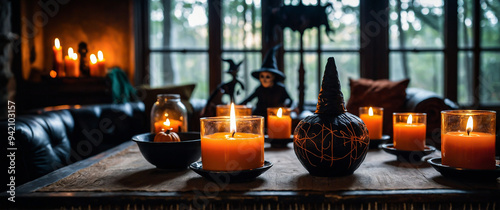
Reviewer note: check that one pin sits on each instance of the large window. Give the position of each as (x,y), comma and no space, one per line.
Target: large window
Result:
(420,45)
(178,44)
(417,42)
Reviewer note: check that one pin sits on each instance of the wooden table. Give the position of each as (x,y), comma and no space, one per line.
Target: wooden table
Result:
(121,178)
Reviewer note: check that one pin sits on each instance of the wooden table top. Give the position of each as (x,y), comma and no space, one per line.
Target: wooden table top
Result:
(122,176)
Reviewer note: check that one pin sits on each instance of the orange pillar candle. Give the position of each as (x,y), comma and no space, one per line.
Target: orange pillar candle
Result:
(373,118)
(71,62)
(473,145)
(232,144)
(94,71)
(101,64)
(279,123)
(409,131)
(58,58)
(167,125)
(240,110)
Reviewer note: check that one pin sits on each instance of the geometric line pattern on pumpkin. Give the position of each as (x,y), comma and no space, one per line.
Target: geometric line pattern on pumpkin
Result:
(324,149)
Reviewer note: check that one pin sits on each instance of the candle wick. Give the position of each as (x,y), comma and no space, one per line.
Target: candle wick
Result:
(233,134)
(468,132)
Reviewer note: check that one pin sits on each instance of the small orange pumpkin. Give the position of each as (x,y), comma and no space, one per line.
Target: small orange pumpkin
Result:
(167,137)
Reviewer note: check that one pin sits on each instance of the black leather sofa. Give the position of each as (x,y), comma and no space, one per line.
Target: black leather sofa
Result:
(50,140)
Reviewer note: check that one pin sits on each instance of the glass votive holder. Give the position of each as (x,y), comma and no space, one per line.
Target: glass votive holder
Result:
(373,119)
(168,113)
(279,123)
(468,139)
(240,110)
(409,131)
(222,149)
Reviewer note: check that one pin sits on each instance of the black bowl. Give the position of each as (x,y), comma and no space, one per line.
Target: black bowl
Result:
(170,155)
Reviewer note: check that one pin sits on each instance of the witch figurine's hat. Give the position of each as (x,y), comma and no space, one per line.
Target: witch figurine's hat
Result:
(270,65)
(232,66)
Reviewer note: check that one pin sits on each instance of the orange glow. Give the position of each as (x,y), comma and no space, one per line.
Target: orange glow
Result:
(53,74)
(93,59)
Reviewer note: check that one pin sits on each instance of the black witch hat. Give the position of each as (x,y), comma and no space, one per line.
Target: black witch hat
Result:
(270,65)
(232,66)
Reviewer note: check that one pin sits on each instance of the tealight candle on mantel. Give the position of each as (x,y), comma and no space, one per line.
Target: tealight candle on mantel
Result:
(94,71)
(232,144)
(58,59)
(409,131)
(101,64)
(71,62)
(279,123)
(468,139)
(373,118)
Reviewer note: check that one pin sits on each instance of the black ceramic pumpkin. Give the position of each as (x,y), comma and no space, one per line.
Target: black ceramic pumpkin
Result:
(331,142)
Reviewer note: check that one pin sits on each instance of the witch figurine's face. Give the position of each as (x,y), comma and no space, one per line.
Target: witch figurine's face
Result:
(266,79)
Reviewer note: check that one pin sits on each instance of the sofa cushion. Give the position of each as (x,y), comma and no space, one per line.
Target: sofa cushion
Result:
(42,143)
(100,127)
(391,95)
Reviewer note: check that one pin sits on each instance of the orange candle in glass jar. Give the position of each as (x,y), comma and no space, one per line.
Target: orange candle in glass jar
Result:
(373,121)
(471,150)
(225,152)
(409,136)
(240,110)
(232,144)
(279,125)
(167,125)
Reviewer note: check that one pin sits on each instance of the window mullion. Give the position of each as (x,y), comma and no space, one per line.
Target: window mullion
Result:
(451,50)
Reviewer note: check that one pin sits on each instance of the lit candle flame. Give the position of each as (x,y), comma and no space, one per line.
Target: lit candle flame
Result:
(409,120)
(280,112)
(100,56)
(57,44)
(232,120)
(70,52)
(370,111)
(74,56)
(93,59)
(167,123)
(469,125)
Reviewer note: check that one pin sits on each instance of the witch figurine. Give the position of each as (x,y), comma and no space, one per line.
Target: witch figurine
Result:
(271,92)
(224,88)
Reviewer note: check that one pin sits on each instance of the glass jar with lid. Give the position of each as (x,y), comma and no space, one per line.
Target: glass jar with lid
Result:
(168,113)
